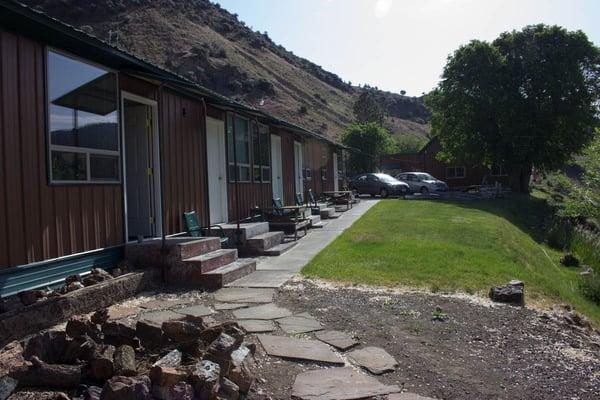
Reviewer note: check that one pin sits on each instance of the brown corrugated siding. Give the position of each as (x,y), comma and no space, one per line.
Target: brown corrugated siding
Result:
(39,221)
(250,195)
(287,166)
(183,171)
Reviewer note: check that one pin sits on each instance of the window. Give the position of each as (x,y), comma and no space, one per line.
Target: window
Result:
(455,172)
(83,122)
(498,170)
(261,153)
(239,127)
(307,174)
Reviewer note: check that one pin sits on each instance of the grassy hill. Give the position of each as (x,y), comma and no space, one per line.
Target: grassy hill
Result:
(204,42)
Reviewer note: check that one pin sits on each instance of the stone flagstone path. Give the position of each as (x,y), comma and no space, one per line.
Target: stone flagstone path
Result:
(299,349)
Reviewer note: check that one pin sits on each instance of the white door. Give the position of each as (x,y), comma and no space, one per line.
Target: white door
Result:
(336,178)
(217,182)
(298,168)
(276,169)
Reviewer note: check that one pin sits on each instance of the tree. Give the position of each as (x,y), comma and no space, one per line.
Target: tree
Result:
(367,108)
(403,92)
(368,142)
(528,99)
(405,143)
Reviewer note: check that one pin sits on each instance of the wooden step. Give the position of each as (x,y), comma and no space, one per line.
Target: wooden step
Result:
(265,241)
(213,260)
(228,273)
(195,247)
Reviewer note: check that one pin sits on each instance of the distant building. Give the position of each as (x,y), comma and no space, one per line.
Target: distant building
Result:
(455,175)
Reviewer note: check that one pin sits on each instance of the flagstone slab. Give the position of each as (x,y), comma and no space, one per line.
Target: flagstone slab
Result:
(257,325)
(120,312)
(244,295)
(264,311)
(229,306)
(199,310)
(299,323)
(159,304)
(376,360)
(339,340)
(338,384)
(159,317)
(408,396)
(299,349)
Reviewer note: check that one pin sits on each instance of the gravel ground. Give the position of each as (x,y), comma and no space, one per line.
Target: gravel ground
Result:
(479,351)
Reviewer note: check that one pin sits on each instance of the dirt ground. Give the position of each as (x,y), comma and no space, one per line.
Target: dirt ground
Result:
(479,351)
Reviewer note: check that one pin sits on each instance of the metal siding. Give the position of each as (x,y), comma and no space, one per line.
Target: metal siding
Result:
(250,195)
(38,221)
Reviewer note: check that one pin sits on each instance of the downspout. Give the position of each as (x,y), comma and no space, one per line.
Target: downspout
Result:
(262,189)
(237,179)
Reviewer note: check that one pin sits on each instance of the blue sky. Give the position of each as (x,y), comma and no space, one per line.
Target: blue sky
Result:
(401,44)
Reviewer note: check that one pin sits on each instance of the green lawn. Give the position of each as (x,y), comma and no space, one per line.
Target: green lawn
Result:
(452,246)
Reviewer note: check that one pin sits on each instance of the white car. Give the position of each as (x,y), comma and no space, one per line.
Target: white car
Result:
(422,182)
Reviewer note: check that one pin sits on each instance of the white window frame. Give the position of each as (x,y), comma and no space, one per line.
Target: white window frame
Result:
(502,170)
(262,168)
(463,176)
(80,150)
(230,163)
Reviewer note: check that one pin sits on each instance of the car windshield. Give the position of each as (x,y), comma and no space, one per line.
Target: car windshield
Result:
(386,178)
(425,177)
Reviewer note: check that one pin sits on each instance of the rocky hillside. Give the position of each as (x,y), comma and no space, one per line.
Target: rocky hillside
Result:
(202,41)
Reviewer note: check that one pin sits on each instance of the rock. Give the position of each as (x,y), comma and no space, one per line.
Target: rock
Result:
(48,346)
(374,359)
(124,361)
(179,391)
(41,374)
(7,386)
(116,272)
(73,286)
(126,388)
(80,349)
(91,393)
(220,350)
(120,333)
(172,359)
(102,365)
(167,376)
(299,323)
(299,349)
(100,317)
(511,293)
(42,395)
(150,334)
(97,275)
(29,297)
(205,379)
(181,331)
(240,371)
(73,278)
(569,260)
(228,390)
(80,326)
(337,339)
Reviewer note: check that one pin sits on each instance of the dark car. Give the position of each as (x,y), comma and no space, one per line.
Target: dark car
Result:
(379,184)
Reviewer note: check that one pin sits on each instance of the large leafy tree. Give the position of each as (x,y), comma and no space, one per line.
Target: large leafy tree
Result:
(528,99)
(368,142)
(368,108)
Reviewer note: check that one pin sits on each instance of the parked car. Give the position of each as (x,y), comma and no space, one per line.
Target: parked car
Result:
(422,182)
(379,184)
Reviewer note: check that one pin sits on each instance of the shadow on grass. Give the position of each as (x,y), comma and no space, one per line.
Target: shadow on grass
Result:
(528,213)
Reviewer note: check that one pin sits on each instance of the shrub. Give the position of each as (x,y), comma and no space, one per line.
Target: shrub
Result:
(590,287)
(569,260)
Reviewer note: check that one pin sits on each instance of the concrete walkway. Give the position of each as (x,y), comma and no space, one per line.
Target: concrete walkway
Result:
(272,272)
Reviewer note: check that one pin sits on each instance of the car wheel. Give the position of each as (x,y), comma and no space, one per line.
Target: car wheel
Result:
(424,190)
(383,193)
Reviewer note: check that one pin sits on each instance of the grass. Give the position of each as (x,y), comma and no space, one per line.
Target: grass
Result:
(453,246)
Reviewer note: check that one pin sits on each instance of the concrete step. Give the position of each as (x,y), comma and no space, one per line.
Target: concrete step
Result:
(279,249)
(247,231)
(314,220)
(213,260)
(228,273)
(195,247)
(265,241)
(327,212)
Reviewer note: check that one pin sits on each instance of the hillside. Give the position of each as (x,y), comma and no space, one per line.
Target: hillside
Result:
(204,42)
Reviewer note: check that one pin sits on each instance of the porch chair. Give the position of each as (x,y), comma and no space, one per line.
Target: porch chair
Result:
(195,230)
(290,218)
(313,203)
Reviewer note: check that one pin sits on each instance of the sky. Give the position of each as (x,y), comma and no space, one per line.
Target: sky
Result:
(401,44)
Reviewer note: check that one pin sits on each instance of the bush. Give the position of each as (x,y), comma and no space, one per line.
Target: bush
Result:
(590,287)
(569,260)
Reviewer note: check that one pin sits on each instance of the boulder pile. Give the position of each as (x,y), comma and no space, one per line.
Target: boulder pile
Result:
(94,358)
(513,293)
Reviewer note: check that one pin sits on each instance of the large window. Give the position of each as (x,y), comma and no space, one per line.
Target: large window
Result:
(238,127)
(83,122)
(261,154)
(498,170)
(456,172)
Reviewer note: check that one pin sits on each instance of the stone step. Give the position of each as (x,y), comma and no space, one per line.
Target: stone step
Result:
(327,212)
(195,247)
(265,241)
(279,249)
(247,231)
(228,273)
(213,260)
